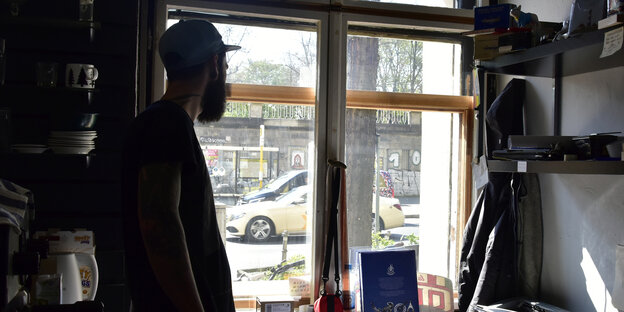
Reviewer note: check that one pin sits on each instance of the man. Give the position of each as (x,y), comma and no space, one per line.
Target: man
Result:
(175,258)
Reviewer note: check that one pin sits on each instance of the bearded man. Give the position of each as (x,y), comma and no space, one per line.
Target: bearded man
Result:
(175,259)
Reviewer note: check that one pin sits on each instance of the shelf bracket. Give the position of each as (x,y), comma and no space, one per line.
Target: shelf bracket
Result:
(557,94)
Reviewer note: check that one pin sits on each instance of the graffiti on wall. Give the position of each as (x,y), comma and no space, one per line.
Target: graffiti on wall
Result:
(406,182)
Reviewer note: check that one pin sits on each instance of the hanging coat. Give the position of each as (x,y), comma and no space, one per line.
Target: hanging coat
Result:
(488,265)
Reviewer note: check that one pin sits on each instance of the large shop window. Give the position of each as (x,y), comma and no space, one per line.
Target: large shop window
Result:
(398,119)
(432,3)
(412,154)
(260,157)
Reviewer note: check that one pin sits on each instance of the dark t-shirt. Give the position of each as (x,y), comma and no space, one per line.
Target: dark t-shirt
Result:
(164,133)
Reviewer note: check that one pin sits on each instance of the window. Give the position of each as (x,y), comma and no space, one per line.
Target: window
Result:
(259,155)
(416,151)
(433,3)
(382,96)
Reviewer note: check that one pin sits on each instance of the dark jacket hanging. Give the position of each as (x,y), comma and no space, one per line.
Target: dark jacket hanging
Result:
(488,260)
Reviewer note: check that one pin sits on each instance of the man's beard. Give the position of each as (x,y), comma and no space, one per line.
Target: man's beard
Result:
(213,102)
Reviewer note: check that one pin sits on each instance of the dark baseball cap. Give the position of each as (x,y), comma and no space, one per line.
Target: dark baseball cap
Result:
(189,43)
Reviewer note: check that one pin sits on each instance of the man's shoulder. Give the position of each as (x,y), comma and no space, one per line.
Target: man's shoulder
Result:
(162,114)
(163,108)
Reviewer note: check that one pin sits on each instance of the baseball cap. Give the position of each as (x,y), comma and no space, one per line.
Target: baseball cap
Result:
(190,42)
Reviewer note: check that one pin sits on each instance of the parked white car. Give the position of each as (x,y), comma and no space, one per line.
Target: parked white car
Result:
(259,221)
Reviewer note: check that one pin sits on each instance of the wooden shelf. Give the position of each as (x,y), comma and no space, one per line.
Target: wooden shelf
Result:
(577,55)
(26,87)
(565,167)
(49,166)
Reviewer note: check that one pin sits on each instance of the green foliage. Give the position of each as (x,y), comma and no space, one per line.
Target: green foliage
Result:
(294,271)
(237,110)
(265,73)
(411,238)
(380,241)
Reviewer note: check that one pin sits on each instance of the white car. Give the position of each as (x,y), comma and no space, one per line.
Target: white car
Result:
(259,221)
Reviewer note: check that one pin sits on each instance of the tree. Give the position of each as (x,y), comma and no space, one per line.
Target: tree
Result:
(233,35)
(265,73)
(70,79)
(306,59)
(361,137)
(82,78)
(400,66)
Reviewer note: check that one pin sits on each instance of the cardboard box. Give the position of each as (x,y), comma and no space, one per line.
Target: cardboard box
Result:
(493,16)
(78,240)
(485,47)
(492,45)
(275,304)
(299,285)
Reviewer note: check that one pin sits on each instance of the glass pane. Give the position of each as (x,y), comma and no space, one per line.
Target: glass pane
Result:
(269,56)
(411,155)
(432,3)
(260,157)
(405,66)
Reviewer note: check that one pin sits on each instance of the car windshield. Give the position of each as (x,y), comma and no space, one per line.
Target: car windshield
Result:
(292,196)
(279,181)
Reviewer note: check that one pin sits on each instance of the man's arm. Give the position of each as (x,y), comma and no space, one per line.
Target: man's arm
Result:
(163,235)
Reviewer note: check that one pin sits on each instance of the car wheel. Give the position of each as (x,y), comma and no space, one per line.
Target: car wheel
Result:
(259,229)
(382,225)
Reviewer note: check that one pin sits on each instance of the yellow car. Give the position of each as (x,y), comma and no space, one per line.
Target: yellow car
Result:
(258,221)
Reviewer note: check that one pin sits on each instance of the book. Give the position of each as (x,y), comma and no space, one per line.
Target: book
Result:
(388,281)
(611,20)
(493,16)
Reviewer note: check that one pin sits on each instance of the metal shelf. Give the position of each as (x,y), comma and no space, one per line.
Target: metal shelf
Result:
(575,55)
(565,167)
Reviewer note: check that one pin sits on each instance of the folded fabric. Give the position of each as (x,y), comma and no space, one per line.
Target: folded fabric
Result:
(14,201)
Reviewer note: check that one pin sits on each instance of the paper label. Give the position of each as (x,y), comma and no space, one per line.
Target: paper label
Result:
(522,166)
(68,241)
(612,42)
(480,172)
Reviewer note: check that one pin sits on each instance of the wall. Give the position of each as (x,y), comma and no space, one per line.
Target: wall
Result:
(74,191)
(582,213)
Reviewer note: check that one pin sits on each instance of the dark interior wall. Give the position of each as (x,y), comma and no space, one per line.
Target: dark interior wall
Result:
(73,191)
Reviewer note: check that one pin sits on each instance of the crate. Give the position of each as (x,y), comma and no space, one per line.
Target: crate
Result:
(275,304)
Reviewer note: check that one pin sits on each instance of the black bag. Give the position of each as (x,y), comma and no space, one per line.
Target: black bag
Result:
(331,302)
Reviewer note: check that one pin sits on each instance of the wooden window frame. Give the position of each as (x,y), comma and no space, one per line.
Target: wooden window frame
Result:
(463,105)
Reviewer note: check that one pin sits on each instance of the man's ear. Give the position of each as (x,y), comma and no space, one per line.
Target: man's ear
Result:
(214,68)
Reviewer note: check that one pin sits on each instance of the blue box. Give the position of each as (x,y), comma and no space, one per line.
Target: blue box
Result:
(493,16)
(388,280)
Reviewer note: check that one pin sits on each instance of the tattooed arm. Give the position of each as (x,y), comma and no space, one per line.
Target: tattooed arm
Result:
(161,227)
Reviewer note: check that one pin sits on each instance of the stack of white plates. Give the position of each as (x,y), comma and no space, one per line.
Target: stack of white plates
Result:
(29,148)
(72,142)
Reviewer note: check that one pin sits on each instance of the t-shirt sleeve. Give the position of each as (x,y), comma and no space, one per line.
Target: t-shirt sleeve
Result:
(167,137)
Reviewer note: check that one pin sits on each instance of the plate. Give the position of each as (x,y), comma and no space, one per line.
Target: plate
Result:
(73,137)
(27,145)
(60,142)
(29,150)
(71,150)
(73,132)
